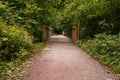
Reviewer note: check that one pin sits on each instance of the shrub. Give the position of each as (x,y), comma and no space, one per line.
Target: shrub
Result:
(14,42)
(104,47)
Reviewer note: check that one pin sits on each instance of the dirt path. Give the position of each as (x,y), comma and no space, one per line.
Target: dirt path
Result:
(61,60)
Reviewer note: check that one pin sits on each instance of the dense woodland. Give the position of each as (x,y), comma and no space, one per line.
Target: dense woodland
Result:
(21,27)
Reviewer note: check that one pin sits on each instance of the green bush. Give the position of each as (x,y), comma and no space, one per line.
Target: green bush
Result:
(104,47)
(14,43)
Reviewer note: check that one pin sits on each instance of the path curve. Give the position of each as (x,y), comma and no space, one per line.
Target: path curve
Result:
(61,60)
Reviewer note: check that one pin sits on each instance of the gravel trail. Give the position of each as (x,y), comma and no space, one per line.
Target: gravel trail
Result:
(61,60)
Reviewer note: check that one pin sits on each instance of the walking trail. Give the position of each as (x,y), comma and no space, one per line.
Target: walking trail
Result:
(61,60)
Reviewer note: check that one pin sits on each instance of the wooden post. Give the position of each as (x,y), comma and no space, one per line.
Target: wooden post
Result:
(44,33)
(78,24)
(74,33)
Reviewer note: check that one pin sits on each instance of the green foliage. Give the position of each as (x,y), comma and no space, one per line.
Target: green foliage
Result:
(24,18)
(14,43)
(29,14)
(11,70)
(7,69)
(96,16)
(104,47)
(15,46)
(38,47)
